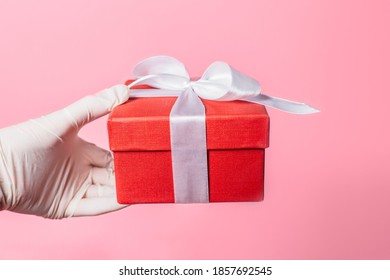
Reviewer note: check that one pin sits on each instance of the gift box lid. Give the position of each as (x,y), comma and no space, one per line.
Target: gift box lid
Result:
(142,124)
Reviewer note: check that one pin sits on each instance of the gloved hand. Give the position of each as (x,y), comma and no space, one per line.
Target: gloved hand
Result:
(47,170)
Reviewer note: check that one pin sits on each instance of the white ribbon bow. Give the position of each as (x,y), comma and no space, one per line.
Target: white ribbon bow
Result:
(220,82)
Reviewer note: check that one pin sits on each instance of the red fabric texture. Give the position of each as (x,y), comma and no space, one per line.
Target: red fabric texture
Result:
(146,176)
(237,134)
(143,124)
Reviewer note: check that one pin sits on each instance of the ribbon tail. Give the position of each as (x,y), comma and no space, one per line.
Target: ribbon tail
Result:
(282,104)
(188,149)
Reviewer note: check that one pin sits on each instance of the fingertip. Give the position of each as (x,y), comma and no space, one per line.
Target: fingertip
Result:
(122,92)
(114,96)
(97,206)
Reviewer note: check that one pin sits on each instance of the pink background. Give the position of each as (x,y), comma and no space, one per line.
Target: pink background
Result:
(327,175)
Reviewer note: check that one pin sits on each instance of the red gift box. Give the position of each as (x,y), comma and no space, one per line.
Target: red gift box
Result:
(139,135)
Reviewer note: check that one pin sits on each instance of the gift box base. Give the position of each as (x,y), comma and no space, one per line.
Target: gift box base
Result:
(146,176)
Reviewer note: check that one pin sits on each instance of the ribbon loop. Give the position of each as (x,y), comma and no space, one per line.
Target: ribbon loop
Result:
(160,65)
(164,72)
(222,82)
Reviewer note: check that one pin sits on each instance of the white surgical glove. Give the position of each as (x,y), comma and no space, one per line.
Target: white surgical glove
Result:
(47,170)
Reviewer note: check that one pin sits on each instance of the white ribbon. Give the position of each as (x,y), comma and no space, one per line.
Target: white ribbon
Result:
(220,82)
